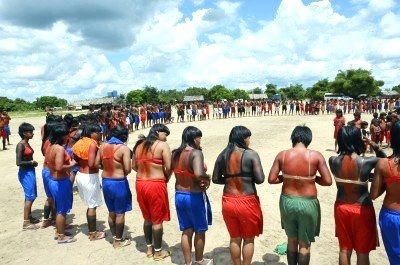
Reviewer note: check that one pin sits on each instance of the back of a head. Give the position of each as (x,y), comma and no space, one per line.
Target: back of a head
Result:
(189,134)
(395,138)
(120,132)
(301,134)
(350,141)
(58,132)
(237,136)
(90,128)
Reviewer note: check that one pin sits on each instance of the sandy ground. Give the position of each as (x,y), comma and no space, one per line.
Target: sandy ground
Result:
(270,134)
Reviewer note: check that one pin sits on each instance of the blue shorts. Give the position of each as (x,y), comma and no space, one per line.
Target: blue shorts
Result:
(389,222)
(61,191)
(117,195)
(27,178)
(7,129)
(46,175)
(193,210)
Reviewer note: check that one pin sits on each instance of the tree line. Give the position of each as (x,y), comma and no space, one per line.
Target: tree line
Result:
(352,82)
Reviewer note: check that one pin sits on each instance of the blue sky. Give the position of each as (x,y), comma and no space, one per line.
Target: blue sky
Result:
(83,49)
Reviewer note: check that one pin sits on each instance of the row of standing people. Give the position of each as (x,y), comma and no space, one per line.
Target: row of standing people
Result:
(238,168)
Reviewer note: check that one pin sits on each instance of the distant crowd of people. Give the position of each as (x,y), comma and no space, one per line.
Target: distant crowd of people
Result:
(75,149)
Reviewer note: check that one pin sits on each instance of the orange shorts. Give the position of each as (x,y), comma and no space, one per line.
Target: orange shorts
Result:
(152,196)
(242,215)
(356,227)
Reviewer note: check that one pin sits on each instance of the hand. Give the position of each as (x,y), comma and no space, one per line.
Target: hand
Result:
(34,163)
(204,183)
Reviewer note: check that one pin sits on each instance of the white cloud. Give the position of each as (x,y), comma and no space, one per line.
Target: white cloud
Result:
(214,45)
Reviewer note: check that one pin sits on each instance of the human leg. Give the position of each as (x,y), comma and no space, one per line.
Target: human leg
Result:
(91,219)
(111,222)
(186,244)
(159,253)
(247,250)
(344,257)
(304,253)
(292,250)
(148,236)
(199,242)
(235,250)
(362,259)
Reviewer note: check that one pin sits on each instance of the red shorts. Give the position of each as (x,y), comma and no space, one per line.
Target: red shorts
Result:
(3,133)
(242,215)
(356,227)
(382,135)
(152,196)
(388,138)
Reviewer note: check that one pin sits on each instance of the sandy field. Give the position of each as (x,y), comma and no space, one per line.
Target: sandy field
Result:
(270,134)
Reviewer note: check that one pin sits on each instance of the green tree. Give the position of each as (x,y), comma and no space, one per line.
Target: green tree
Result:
(271,90)
(197,91)
(50,101)
(318,90)
(219,92)
(354,82)
(256,90)
(170,96)
(121,99)
(396,88)
(135,96)
(150,94)
(240,94)
(293,92)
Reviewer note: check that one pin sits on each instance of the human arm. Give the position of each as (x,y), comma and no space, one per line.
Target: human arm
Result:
(167,160)
(325,179)
(198,165)
(126,160)
(258,171)
(273,176)
(97,162)
(217,173)
(92,155)
(378,186)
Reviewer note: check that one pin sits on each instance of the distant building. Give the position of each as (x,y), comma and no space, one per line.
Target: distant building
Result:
(390,94)
(94,102)
(257,96)
(193,98)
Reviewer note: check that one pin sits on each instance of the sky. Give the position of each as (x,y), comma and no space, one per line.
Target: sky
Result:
(80,49)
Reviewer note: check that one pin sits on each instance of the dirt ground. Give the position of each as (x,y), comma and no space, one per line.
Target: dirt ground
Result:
(270,134)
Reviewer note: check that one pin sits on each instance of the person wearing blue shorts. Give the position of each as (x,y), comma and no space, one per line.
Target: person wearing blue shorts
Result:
(192,205)
(60,185)
(115,159)
(26,173)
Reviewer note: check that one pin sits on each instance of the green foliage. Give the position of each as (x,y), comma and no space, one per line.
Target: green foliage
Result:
(170,96)
(354,82)
(50,101)
(396,88)
(240,94)
(318,90)
(197,91)
(121,99)
(256,90)
(135,96)
(271,90)
(293,92)
(219,92)
(150,94)
(15,105)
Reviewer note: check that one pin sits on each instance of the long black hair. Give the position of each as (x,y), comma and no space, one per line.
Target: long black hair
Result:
(350,140)
(188,135)
(58,132)
(151,137)
(395,138)
(237,138)
(90,128)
